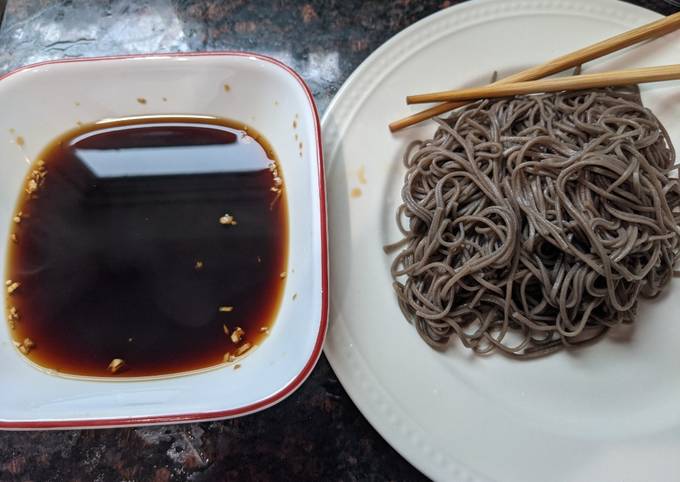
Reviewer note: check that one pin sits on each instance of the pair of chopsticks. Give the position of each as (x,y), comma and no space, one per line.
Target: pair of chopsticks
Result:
(526,82)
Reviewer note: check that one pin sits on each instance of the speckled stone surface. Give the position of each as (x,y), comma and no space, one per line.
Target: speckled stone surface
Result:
(317,433)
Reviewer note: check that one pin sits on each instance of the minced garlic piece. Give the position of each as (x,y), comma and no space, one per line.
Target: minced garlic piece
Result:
(26,346)
(243,348)
(227,220)
(237,334)
(37,177)
(116,365)
(12,287)
(32,186)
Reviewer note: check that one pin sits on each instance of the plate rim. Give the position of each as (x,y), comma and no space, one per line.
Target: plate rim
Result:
(332,141)
(295,383)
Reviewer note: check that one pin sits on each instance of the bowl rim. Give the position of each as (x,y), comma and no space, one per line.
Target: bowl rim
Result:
(294,383)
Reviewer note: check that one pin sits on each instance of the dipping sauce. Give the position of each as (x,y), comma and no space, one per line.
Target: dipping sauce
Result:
(148,246)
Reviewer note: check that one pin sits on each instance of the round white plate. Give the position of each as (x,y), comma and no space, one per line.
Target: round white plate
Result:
(607,413)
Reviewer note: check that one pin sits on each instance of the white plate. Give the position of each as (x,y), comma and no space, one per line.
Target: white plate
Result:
(42,101)
(607,413)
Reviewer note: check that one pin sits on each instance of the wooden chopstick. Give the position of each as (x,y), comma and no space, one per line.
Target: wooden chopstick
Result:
(577,82)
(654,29)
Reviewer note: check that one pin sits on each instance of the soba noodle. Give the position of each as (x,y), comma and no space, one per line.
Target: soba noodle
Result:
(536,223)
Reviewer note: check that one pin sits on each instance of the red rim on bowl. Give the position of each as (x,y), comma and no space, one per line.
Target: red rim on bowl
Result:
(295,383)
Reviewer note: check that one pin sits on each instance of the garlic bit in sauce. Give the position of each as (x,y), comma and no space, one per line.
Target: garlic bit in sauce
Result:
(116,365)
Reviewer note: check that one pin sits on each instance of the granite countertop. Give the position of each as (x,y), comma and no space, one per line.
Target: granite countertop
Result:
(315,434)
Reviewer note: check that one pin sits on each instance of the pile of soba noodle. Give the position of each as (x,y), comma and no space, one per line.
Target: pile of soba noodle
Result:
(536,223)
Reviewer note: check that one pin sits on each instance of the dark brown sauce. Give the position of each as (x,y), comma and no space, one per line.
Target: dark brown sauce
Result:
(123,251)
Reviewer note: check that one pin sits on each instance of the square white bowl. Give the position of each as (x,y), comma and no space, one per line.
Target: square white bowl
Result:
(42,101)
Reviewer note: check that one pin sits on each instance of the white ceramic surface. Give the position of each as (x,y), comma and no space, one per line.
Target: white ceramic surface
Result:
(606,413)
(42,101)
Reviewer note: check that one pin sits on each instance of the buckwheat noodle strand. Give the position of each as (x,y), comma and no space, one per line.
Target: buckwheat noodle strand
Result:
(536,223)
